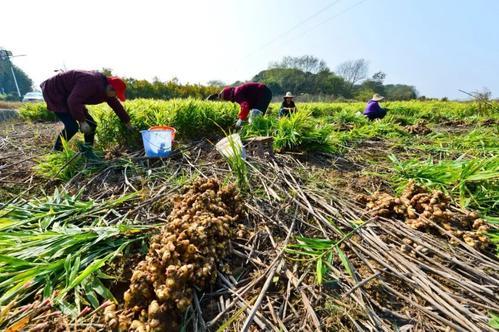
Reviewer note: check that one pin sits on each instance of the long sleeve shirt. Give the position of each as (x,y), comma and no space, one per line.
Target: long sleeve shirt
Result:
(373,110)
(70,91)
(291,104)
(252,95)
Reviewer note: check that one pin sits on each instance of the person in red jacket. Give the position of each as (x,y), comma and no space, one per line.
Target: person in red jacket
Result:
(67,93)
(254,99)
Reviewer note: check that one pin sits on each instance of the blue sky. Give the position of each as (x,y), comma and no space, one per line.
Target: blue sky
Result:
(439,46)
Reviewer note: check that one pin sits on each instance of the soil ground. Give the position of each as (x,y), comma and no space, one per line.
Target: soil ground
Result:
(395,294)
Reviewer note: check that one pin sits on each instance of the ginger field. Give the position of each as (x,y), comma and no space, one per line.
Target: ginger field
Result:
(349,225)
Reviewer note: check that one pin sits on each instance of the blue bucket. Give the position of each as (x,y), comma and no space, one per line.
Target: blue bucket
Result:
(158,141)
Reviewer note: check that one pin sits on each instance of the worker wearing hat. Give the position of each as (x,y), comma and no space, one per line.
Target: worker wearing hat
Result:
(288,105)
(67,93)
(253,98)
(373,109)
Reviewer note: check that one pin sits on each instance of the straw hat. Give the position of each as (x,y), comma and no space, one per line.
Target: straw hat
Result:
(289,95)
(377,97)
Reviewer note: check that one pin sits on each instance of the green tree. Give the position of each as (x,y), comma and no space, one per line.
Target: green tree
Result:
(400,92)
(372,85)
(216,83)
(166,90)
(107,71)
(280,80)
(364,94)
(328,83)
(7,84)
(305,63)
(379,76)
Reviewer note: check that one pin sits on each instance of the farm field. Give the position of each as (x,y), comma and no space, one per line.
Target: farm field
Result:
(352,225)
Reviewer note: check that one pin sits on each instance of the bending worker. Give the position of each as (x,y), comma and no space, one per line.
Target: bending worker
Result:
(288,105)
(373,110)
(254,99)
(67,93)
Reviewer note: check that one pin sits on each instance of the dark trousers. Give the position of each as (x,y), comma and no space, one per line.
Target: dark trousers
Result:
(71,128)
(379,115)
(263,102)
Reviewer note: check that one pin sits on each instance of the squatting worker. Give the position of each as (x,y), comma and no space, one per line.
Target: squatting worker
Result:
(67,93)
(373,109)
(254,99)
(288,105)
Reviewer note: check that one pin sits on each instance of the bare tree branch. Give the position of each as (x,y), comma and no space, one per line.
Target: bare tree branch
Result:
(353,71)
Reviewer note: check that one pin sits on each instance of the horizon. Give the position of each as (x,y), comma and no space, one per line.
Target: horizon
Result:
(438,48)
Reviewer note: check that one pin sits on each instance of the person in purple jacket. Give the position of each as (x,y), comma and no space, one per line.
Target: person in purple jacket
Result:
(373,110)
(253,98)
(67,93)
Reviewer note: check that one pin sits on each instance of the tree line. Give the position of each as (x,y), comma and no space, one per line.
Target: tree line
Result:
(306,76)
(166,90)
(312,78)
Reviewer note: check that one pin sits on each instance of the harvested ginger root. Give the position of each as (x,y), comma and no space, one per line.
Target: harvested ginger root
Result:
(185,254)
(421,209)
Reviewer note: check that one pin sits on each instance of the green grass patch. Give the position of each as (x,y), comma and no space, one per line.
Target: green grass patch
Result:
(480,141)
(321,252)
(36,112)
(494,321)
(408,111)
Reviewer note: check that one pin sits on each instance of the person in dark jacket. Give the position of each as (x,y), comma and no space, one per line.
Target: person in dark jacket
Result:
(67,93)
(373,110)
(254,99)
(288,105)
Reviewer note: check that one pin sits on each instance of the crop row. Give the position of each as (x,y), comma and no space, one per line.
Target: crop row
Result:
(318,126)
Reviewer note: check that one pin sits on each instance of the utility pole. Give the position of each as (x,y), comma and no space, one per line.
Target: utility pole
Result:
(15,80)
(5,56)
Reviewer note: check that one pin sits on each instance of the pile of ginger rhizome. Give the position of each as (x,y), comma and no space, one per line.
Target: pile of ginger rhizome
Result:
(184,255)
(430,212)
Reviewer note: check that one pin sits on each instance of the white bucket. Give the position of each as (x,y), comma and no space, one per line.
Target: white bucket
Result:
(158,142)
(231,146)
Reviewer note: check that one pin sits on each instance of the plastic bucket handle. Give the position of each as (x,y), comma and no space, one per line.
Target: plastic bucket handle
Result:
(173,130)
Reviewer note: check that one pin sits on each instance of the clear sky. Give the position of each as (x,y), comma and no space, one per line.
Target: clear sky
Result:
(439,46)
